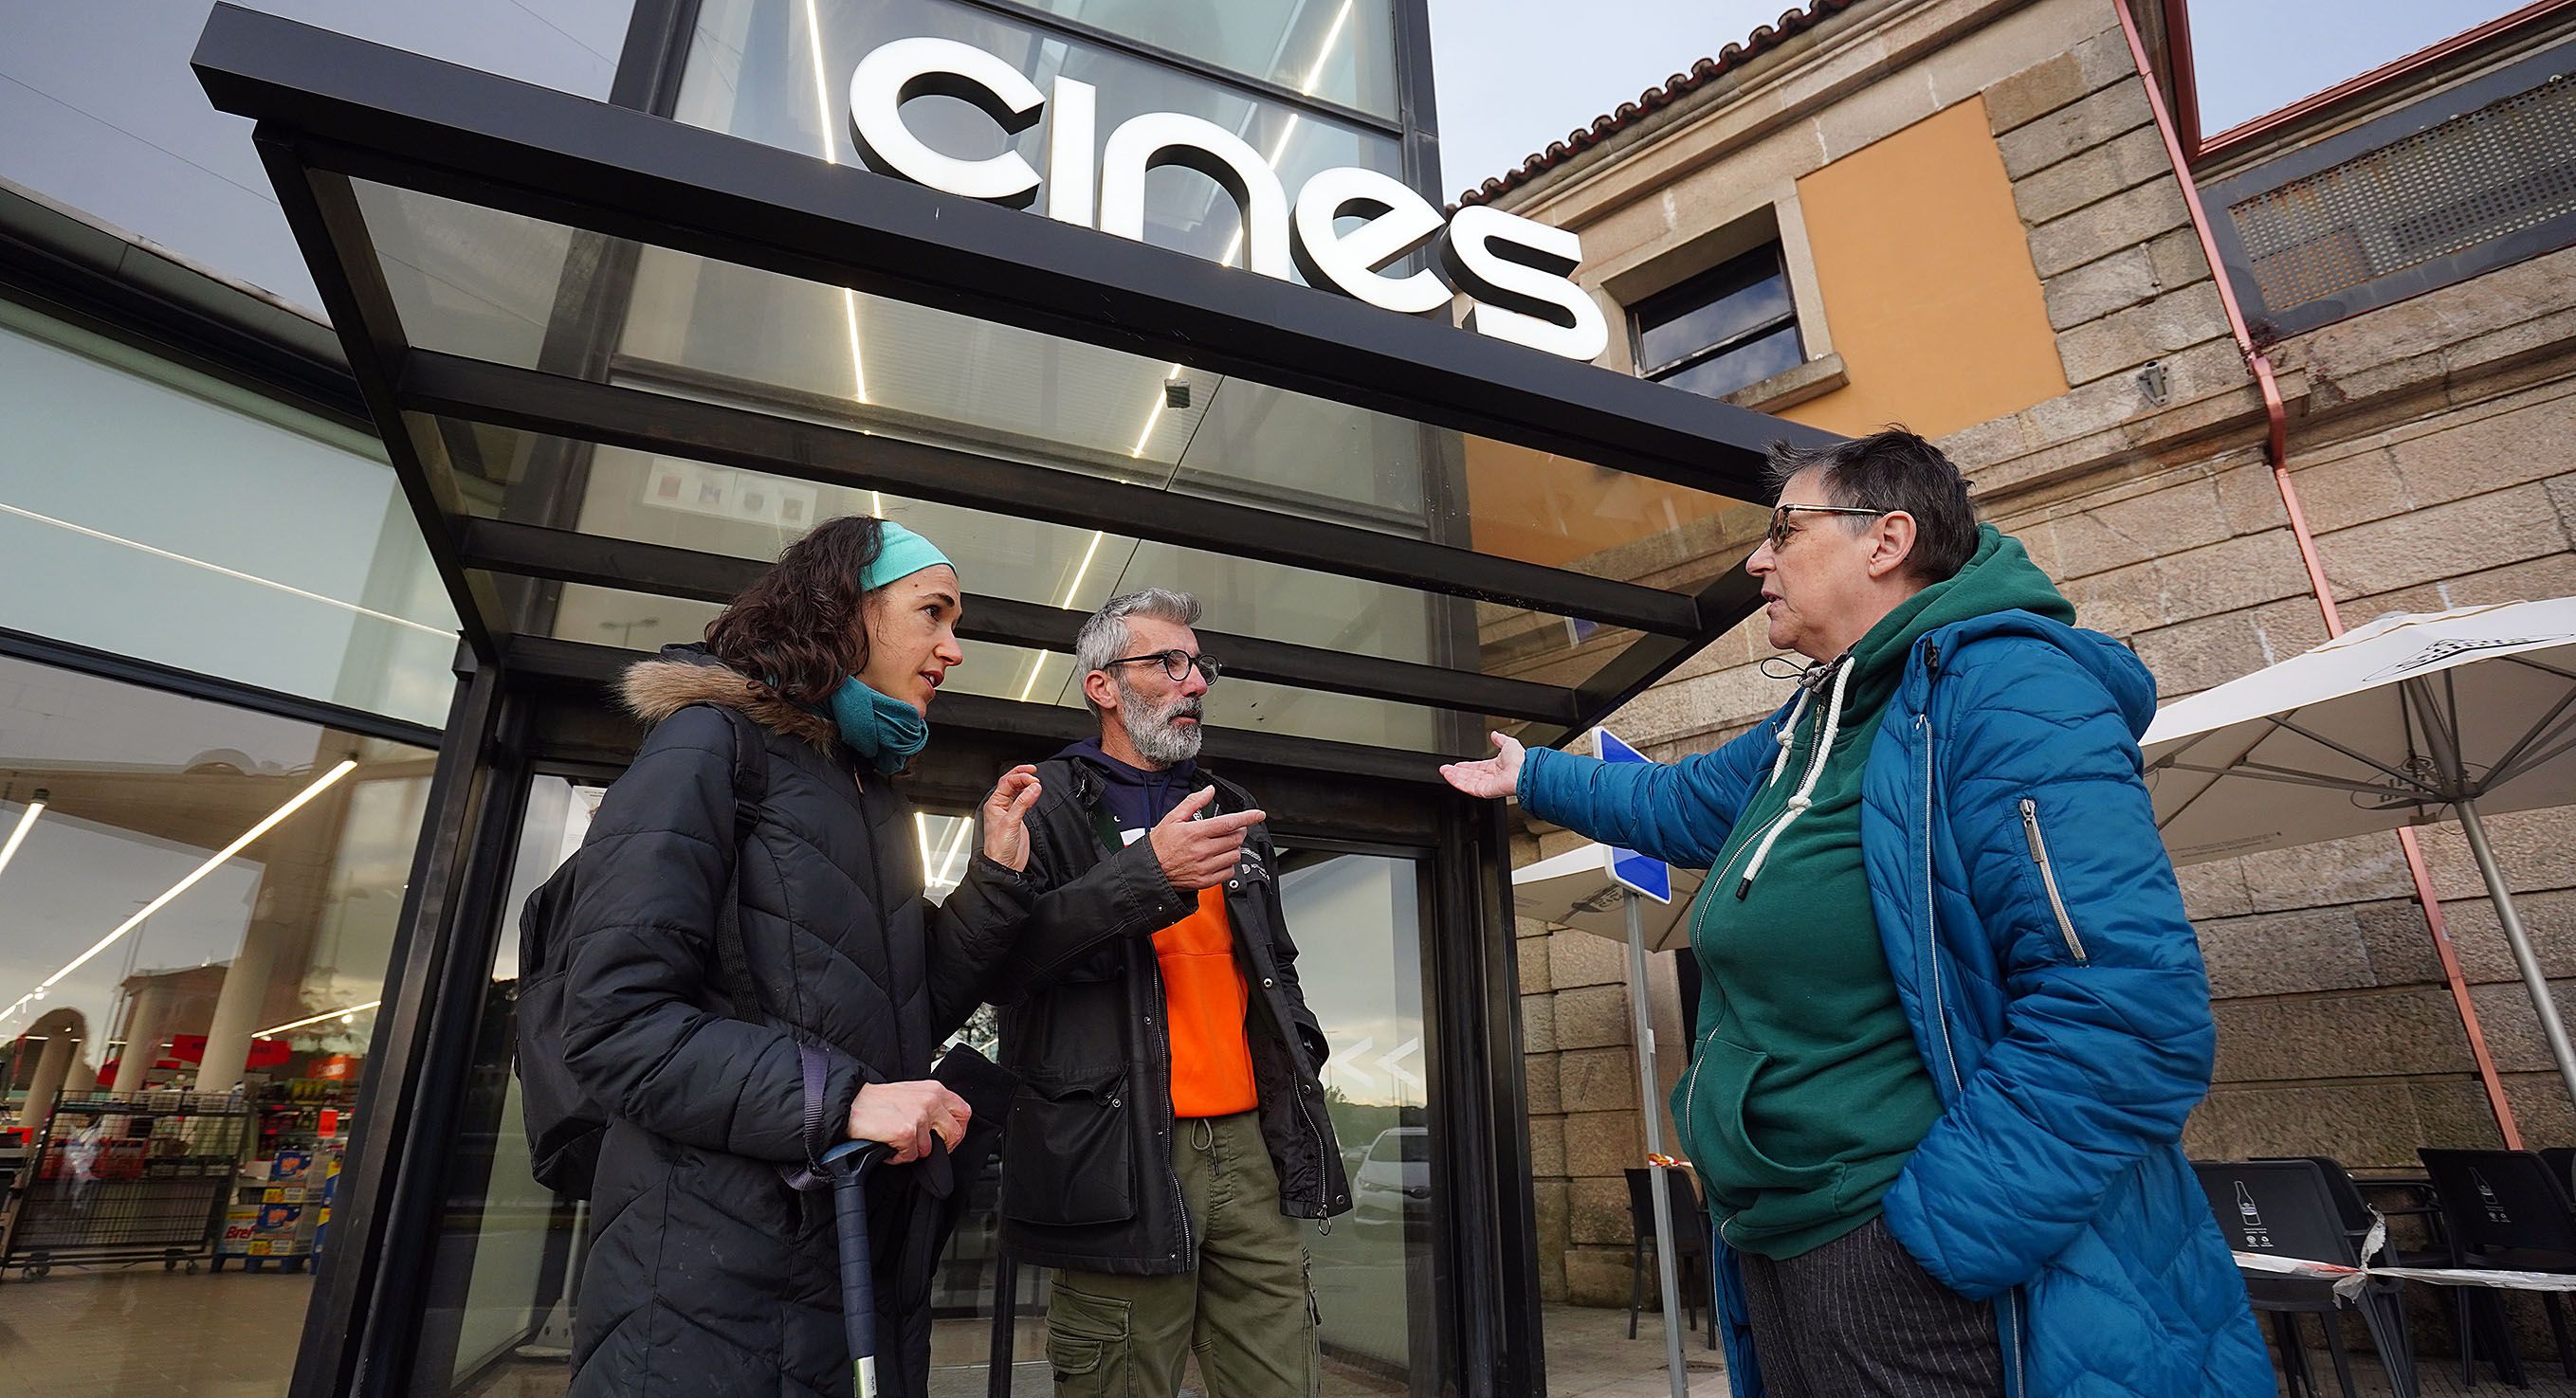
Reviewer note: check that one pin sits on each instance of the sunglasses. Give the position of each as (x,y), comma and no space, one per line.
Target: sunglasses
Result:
(1781,528)
(1176,664)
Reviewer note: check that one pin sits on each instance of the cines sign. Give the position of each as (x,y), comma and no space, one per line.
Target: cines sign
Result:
(1516,271)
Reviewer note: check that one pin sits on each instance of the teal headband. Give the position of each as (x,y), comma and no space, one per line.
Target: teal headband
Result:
(901,554)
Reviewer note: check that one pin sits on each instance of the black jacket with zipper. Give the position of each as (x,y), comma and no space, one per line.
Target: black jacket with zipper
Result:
(707,1276)
(1087,1179)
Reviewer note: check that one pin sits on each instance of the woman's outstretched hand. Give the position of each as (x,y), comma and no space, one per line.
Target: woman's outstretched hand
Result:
(1006,811)
(1498,775)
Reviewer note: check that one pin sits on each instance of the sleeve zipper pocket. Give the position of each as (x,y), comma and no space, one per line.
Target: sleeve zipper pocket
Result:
(2048,878)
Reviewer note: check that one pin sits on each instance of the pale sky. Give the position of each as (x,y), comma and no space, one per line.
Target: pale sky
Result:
(1516,74)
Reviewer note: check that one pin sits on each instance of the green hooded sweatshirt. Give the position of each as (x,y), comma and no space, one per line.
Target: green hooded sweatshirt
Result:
(1806,1093)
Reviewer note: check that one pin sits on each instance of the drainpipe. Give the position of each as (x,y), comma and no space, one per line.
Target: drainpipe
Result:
(2276,450)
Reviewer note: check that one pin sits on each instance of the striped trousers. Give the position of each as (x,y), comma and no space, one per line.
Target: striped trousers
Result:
(1858,1318)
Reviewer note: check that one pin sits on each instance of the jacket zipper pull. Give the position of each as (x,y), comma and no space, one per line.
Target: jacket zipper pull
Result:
(1931,657)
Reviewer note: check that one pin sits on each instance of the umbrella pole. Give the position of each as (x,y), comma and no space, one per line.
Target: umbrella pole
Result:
(1642,1026)
(2523,957)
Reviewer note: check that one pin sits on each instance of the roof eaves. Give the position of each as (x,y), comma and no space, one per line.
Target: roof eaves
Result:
(1680,85)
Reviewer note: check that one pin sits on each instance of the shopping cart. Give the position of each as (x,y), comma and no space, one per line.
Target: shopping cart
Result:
(122,1178)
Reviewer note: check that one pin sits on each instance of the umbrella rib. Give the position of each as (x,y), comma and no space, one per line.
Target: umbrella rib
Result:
(2264,771)
(2503,770)
(2363,758)
(2542,666)
(2502,775)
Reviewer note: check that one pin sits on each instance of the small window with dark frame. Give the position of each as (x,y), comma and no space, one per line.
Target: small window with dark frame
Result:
(1730,326)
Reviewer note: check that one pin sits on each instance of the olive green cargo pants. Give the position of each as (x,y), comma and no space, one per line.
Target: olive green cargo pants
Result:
(1248,1311)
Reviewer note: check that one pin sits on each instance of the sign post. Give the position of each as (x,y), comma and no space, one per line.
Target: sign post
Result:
(1640,877)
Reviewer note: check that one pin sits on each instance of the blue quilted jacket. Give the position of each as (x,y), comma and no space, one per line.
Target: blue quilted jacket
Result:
(2062,1007)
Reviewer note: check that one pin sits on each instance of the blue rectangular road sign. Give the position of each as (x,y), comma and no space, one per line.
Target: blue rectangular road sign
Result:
(1651,877)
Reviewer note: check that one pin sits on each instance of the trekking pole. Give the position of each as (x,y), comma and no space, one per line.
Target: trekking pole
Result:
(848,1164)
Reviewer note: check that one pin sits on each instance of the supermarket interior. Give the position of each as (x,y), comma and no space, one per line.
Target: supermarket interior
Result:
(200,905)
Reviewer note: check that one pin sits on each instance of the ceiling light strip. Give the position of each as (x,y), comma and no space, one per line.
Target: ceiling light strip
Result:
(216,861)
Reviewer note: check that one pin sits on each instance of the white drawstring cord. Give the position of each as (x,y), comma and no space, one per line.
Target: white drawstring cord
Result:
(1805,795)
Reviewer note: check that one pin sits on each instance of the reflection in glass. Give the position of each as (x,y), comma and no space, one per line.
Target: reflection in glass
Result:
(150,510)
(641,621)
(199,905)
(1339,50)
(1357,920)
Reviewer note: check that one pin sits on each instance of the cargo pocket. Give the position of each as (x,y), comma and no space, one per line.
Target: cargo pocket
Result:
(1067,1159)
(1090,1344)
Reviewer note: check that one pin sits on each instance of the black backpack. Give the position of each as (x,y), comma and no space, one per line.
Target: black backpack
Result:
(564,1126)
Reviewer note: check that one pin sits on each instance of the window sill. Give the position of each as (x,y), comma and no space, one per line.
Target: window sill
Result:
(1790,387)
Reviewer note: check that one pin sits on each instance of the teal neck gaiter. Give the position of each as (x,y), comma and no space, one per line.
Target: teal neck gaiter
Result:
(886,732)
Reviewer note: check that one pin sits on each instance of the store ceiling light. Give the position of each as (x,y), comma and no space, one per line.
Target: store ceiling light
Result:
(216,861)
(18,835)
(832,153)
(344,1013)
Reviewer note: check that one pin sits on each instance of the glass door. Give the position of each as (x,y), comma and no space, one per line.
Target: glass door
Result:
(506,1261)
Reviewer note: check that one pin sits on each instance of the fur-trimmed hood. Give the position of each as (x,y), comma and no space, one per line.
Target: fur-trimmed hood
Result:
(683,675)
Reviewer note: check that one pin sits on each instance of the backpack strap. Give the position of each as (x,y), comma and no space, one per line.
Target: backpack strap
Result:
(750,785)
(733,960)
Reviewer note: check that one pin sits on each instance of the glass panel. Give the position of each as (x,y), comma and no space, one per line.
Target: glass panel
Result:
(663,499)
(641,621)
(1749,363)
(1713,308)
(2249,60)
(107,119)
(507,1263)
(721,332)
(1358,922)
(201,903)
(759,70)
(155,512)
(1343,52)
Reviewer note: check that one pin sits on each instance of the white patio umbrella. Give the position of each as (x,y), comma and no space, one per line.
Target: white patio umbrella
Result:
(1575,889)
(2407,721)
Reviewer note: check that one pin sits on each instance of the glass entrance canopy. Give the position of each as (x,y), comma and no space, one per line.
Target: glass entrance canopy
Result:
(622,361)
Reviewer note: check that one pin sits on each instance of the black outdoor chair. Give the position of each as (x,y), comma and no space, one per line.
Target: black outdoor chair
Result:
(1694,1260)
(2505,1209)
(2358,1218)
(2289,1208)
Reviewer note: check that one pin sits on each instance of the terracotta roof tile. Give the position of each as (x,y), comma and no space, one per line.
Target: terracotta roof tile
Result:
(1676,87)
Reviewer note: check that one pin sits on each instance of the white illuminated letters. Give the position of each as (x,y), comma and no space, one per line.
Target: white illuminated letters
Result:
(908,68)
(1518,272)
(1399,221)
(1169,138)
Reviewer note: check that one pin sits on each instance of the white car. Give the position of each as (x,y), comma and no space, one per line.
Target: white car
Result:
(1396,1171)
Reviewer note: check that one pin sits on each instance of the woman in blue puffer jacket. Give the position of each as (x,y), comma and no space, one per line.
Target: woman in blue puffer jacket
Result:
(1953,1017)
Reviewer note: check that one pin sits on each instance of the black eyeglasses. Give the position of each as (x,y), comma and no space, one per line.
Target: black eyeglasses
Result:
(1780,527)
(1176,664)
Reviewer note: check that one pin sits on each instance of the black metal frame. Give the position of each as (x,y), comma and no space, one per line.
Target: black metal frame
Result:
(2521,245)
(189,684)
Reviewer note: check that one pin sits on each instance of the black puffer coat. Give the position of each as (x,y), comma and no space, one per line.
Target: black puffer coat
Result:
(1087,1178)
(706,1275)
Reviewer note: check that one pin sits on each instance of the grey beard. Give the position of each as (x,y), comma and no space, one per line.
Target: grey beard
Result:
(1156,740)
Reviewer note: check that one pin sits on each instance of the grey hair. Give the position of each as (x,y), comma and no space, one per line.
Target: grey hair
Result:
(1104,636)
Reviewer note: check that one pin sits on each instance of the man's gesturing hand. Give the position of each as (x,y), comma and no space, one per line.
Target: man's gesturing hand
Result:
(1006,834)
(1196,853)
(1498,775)
(904,1115)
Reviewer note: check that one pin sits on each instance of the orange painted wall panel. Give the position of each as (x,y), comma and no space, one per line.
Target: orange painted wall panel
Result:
(1927,281)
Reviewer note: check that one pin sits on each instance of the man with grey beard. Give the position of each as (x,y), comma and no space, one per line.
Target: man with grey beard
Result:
(1169,1131)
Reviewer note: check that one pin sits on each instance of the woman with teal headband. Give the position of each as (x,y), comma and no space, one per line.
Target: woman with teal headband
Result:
(707,1273)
